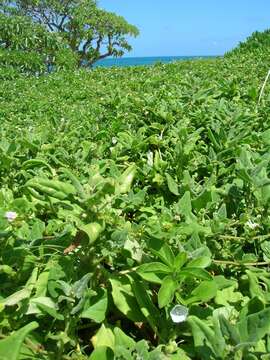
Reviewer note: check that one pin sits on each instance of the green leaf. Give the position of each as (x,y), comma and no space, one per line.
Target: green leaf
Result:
(43,300)
(15,298)
(11,346)
(124,298)
(42,284)
(184,206)
(172,185)
(80,286)
(202,332)
(153,272)
(104,338)
(200,262)
(255,326)
(152,277)
(180,261)
(97,307)
(121,339)
(204,292)
(229,330)
(166,291)
(147,307)
(155,267)
(165,254)
(126,179)
(5,269)
(102,353)
(37,230)
(50,311)
(92,230)
(266,137)
(228,296)
(254,287)
(195,273)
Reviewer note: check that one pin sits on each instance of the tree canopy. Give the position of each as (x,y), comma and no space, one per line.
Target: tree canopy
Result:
(88,31)
(29,48)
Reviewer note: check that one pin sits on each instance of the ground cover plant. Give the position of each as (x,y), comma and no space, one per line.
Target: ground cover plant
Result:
(134,212)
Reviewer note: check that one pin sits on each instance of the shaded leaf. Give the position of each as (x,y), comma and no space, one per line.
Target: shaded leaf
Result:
(11,346)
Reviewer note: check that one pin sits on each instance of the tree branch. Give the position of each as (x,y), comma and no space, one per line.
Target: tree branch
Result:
(99,41)
(103,56)
(64,17)
(85,45)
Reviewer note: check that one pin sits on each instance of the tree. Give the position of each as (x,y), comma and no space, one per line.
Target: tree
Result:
(90,32)
(29,47)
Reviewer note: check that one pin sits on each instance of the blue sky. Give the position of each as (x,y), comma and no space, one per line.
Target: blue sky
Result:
(190,27)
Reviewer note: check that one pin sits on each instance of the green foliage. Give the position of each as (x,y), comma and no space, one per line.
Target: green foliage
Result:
(257,43)
(10,347)
(89,32)
(134,212)
(29,48)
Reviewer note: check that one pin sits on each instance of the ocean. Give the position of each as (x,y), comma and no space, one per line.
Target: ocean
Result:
(136,61)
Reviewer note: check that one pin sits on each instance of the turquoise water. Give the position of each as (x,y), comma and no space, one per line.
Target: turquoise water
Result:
(135,61)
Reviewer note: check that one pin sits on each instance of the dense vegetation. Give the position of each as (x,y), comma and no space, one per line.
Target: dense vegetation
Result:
(126,192)
(28,48)
(85,31)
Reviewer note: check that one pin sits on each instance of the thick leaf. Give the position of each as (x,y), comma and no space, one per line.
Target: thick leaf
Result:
(165,254)
(92,230)
(180,261)
(206,291)
(102,353)
(147,307)
(151,277)
(42,284)
(229,330)
(121,339)
(153,272)
(254,287)
(126,179)
(155,267)
(97,308)
(202,332)
(172,185)
(166,291)
(11,346)
(201,262)
(124,298)
(37,230)
(80,286)
(184,206)
(228,296)
(50,311)
(195,273)
(104,338)
(15,298)
(34,302)
(255,326)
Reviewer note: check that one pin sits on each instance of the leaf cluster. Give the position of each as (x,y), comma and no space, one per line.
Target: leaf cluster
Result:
(126,192)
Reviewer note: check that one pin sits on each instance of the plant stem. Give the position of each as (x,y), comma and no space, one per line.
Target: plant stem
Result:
(124,272)
(231,237)
(263,87)
(236,263)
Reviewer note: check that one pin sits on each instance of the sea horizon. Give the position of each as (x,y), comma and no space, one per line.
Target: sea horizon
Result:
(147,60)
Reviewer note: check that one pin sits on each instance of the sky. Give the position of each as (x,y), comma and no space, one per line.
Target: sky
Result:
(190,27)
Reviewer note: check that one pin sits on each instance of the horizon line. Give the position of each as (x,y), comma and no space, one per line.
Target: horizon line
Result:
(158,56)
